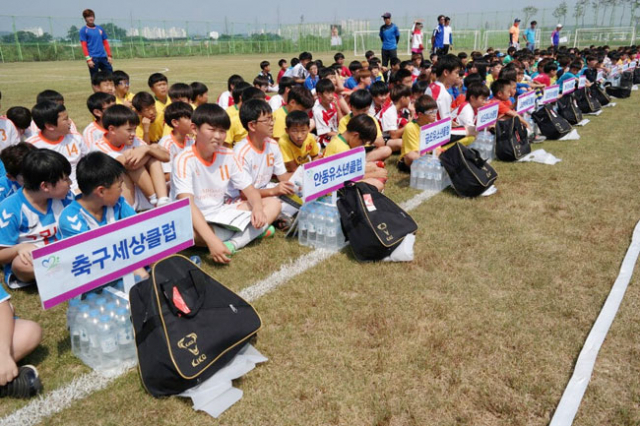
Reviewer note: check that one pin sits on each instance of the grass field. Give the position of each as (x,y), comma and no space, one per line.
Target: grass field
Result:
(483,328)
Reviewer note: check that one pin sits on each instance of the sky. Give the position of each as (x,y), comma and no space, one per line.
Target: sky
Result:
(250,11)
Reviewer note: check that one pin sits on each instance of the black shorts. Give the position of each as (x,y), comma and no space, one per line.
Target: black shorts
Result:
(402,166)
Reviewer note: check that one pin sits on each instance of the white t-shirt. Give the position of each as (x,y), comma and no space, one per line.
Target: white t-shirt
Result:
(466,116)
(260,165)
(447,35)
(326,119)
(224,100)
(71,145)
(8,133)
(92,134)
(173,146)
(276,102)
(388,117)
(299,71)
(207,181)
(416,40)
(444,100)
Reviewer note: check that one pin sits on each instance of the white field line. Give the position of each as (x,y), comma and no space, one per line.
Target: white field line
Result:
(54,402)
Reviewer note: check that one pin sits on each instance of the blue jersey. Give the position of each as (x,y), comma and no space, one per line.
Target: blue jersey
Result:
(530,35)
(350,83)
(94,38)
(8,187)
(20,222)
(438,34)
(311,82)
(565,76)
(75,219)
(389,34)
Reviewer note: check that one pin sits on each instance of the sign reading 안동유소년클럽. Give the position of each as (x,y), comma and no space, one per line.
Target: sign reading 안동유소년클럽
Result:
(86,261)
(550,94)
(526,102)
(487,116)
(434,135)
(329,174)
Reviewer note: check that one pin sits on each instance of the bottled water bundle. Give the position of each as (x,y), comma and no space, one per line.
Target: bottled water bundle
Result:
(319,226)
(101,331)
(485,144)
(427,174)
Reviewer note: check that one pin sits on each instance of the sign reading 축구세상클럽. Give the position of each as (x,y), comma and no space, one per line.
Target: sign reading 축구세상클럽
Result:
(81,263)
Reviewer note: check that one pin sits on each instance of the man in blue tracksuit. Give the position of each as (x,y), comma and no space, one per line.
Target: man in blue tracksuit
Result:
(389,35)
(437,38)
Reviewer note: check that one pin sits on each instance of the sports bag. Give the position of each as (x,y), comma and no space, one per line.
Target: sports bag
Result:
(600,94)
(187,326)
(373,224)
(512,141)
(551,125)
(568,109)
(586,102)
(470,174)
(619,92)
(636,75)
(626,80)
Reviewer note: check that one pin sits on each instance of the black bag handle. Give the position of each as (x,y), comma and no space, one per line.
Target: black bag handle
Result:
(196,282)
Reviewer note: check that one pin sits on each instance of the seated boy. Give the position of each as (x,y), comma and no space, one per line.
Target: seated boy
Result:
(21,119)
(121,83)
(178,117)
(258,155)
(299,99)
(298,146)
(144,182)
(401,102)
(55,133)
(265,71)
(48,95)
(225,100)
(12,158)
(386,115)
(178,92)
(204,173)
(18,338)
(502,91)
(151,126)
(236,132)
(574,72)
(102,81)
(261,82)
(199,94)
(360,105)
(97,104)
(426,112)
(325,112)
(350,83)
(477,95)
(30,216)
(284,86)
(360,131)
(159,85)
(282,63)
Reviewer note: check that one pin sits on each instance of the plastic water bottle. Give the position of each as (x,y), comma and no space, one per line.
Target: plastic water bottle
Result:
(303,218)
(101,303)
(107,337)
(72,310)
(196,259)
(413,180)
(126,345)
(111,308)
(320,226)
(422,175)
(311,225)
(80,333)
(437,172)
(332,224)
(90,298)
(94,354)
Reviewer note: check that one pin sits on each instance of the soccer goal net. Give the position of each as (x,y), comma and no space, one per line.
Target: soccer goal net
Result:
(370,40)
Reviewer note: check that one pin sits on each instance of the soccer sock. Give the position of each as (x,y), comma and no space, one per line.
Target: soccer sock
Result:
(153,199)
(241,239)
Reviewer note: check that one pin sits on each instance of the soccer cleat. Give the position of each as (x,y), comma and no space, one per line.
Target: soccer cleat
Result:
(268,233)
(25,385)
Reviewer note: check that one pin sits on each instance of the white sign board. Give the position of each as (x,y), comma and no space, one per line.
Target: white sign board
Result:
(600,76)
(86,261)
(551,94)
(434,135)
(526,102)
(487,116)
(568,86)
(329,174)
(582,82)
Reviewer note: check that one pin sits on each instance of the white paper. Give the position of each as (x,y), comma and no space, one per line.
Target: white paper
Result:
(572,136)
(610,104)
(404,252)
(540,156)
(634,87)
(490,191)
(594,113)
(584,122)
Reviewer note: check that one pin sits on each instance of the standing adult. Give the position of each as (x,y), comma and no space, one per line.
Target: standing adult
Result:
(448,36)
(555,37)
(95,45)
(437,37)
(514,34)
(416,38)
(390,36)
(530,36)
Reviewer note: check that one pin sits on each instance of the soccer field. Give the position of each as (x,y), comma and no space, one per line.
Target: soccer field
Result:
(483,328)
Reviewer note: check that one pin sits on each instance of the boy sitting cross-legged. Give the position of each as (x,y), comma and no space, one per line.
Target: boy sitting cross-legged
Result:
(144,181)
(298,146)
(178,117)
(29,218)
(204,173)
(97,104)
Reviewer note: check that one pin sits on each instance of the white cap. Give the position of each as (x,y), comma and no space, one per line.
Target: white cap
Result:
(559,26)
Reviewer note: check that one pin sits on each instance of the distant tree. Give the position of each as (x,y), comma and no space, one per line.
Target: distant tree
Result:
(27,37)
(580,10)
(529,12)
(114,31)
(560,12)
(634,5)
(595,5)
(73,33)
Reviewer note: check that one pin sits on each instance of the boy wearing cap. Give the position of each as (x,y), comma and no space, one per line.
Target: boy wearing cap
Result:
(555,37)
(514,34)
(390,36)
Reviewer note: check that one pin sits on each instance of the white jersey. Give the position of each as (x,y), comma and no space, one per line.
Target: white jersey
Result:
(260,165)
(276,102)
(466,116)
(442,97)
(416,40)
(387,117)
(71,145)
(447,35)
(298,72)
(326,119)
(9,134)
(114,152)
(207,181)
(92,134)
(225,100)
(174,147)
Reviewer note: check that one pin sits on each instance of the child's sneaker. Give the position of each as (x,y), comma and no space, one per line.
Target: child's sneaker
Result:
(539,139)
(14,283)
(268,233)
(25,385)
(232,248)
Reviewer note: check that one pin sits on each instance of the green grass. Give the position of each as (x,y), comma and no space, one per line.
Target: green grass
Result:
(483,328)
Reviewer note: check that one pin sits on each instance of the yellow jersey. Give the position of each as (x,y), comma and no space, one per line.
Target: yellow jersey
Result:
(155,130)
(236,132)
(410,139)
(299,154)
(128,97)
(337,145)
(280,122)
(342,126)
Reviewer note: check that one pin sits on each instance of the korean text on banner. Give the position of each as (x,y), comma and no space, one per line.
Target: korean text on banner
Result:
(633,65)
(434,135)
(487,116)
(526,102)
(326,175)
(550,94)
(83,262)
(582,82)
(568,86)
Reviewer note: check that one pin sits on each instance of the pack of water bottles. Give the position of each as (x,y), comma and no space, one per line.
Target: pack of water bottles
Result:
(427,174)
(485,145)
(101,332)
(319,226)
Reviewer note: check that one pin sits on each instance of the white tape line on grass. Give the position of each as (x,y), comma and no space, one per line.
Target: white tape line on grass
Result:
(572,396)
(83,386)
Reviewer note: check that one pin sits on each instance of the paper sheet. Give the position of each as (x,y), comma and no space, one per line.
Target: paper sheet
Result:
(572,136)
(609,105)
(595,113)
(584,122)
(404,252)
(540,156)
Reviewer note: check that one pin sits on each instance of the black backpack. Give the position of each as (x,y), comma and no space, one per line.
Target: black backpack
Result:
(374,225)
(619,92)
(600,94)
(551,125)
(470,174)
(586,102)
(626,80)
(636,75)
(187,326)
(512,141)
(568,109)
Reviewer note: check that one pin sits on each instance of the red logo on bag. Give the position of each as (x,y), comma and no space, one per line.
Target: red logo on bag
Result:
(178,301)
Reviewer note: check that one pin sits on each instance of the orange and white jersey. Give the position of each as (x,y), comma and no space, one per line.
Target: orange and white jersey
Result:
(103,145)
(225,100)
(9,134)
(171,144)
(260,165)
(34,130)
(92,134)
(206,180)
(72,146)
